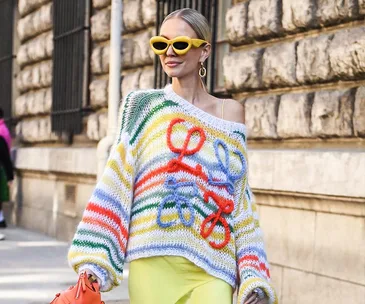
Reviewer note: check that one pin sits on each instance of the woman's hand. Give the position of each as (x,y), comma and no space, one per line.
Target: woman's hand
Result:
(92,277)
(253,298)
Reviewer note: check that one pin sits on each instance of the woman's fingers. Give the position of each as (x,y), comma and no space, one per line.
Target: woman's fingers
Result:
(252,299)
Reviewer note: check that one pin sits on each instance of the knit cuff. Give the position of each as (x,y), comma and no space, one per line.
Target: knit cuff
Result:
(102,276)
(246,287)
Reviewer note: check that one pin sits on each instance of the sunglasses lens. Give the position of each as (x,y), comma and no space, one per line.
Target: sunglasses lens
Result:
(181,45)
(160,45)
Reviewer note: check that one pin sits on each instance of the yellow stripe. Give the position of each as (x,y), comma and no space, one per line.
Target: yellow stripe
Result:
(168,117)
(254,240)
(159,137)
(76,254)
(147,219)
(112,164)
(244,232)
(122,153)
(243,224)
(252,281)
(107,180)
(149,151)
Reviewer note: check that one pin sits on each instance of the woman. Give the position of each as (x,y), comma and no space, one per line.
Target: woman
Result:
(174,200)
(6,167)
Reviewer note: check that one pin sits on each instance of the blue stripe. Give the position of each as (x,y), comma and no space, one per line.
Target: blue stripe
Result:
(100,271)
(106,197)
(147,166)
(180,247)
(170,155)
(247,272)
(249,249)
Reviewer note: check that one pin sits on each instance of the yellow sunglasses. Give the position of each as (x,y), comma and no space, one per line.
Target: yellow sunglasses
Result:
(181,45)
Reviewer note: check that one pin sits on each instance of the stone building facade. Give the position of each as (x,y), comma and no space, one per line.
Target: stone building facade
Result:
(297,66)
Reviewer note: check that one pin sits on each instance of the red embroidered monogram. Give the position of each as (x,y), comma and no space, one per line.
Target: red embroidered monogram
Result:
(224,206)
(176,164)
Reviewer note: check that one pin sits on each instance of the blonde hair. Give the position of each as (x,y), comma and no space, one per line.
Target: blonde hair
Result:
(196,20)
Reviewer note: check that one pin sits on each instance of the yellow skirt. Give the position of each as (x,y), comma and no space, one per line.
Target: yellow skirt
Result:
(174,280)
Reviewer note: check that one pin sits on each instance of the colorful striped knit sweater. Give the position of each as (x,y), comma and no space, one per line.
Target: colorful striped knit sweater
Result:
(175,184)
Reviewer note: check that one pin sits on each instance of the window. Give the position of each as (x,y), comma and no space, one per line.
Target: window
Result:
(215,12)
(222,45)
(71,31)
(6,57)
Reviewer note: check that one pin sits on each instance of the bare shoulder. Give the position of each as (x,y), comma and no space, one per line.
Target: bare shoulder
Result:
(234,111)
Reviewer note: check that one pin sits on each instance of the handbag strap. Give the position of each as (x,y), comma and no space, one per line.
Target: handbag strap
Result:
(80,284)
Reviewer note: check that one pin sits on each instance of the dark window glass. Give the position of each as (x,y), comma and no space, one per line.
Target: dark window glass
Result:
(70,64)
(6,57)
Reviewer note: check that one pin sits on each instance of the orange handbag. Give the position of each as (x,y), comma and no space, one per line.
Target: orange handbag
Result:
(84,292)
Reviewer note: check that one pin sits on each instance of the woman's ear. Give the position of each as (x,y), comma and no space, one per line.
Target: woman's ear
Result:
(205,52)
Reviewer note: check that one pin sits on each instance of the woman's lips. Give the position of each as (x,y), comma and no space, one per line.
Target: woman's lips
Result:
(172,64)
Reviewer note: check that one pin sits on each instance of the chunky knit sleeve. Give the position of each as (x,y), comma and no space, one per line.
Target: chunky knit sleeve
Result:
(253,268)
(101,237)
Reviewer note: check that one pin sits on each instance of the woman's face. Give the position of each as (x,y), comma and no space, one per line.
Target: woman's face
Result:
(183,65)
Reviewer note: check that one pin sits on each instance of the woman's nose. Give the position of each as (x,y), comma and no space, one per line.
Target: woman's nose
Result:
(170,51)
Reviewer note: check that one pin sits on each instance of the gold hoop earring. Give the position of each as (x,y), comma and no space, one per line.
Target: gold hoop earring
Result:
(202,71)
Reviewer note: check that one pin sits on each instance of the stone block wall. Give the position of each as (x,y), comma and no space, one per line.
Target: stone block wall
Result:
(33,105)
(52,193)
(34,81)
(298,66)
(137,58)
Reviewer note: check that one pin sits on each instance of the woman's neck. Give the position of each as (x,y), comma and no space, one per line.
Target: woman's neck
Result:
(190,89)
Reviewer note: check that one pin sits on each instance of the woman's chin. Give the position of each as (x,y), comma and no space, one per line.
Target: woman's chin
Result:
(173,75)
(174,72)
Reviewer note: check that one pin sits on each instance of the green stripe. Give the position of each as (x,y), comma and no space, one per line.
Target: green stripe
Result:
(203,214)
(172,204)
(145,198)
(139,106)
(102,236)
(240,133)
(165,193)
(94,245)
(127,101)
(248,194)
(166,103)
(131,120)
(151,206)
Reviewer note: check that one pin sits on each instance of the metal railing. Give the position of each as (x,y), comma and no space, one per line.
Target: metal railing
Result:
(71,30)
(6,57)
(208,8)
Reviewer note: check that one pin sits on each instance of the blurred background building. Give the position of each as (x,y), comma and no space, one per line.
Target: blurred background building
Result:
(297,66)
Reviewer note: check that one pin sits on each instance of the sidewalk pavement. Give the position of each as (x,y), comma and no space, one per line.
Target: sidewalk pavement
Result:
(33,268)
